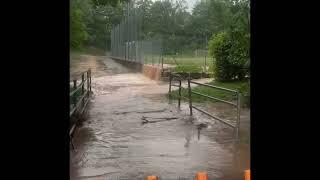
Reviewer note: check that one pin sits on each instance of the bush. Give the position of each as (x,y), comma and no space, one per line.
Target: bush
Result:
(230,51)
(245,91)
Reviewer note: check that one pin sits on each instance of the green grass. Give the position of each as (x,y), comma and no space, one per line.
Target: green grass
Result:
(183,63)
(188,63)
(185,60)
(215,92)
(188,68)
(74,53)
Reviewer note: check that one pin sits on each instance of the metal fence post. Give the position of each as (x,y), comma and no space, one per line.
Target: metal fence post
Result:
(170,78)
(82,84)
(82,87)
(238,115)
(162,61)
(205,63)
(74,99)
(90,78)
(190,100)
(179,93)
(205,60)
(88,82)
(152,53)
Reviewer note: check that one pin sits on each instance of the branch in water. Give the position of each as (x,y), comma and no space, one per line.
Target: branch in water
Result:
(145,120)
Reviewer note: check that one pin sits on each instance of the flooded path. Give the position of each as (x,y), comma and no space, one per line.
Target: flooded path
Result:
(115,143)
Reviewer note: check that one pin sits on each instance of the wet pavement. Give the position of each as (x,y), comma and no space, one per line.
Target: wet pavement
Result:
(133,130)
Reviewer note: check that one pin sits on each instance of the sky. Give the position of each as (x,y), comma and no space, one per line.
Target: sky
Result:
(190,4)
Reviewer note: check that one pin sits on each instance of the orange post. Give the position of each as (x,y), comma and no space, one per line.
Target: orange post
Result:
(152,178)
(202,176)
(247,174)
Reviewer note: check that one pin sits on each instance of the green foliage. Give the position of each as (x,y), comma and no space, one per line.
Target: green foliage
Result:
(100,25)
(76,53)
(78,32)
(231,53)
(91,22)
(107,2)
(245,90)
(217,41)
(165,20)
(180,30)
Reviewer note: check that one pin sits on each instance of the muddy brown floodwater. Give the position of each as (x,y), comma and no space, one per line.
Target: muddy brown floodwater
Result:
(114,143)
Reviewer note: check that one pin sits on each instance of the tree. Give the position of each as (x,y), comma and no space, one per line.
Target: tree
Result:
(91,21)
(166,20)
(78,33)
(102,21)
(230,49)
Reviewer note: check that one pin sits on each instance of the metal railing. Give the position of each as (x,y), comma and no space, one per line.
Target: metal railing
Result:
(79,97)
(175,77)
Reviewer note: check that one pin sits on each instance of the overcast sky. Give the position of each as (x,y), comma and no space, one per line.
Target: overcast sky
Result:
(190,4)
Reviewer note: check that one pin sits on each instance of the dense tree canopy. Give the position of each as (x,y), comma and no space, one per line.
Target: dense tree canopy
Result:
(91,21)
(230,46)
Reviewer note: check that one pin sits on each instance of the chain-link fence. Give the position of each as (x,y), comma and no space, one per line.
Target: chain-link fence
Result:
(132,41)
(127,42)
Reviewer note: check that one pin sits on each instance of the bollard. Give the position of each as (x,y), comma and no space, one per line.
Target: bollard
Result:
(247,174)
(202,176)
(152,178)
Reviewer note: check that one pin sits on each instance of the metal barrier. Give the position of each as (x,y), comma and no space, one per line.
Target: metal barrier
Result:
(79,97)
(176,77)
(84,93)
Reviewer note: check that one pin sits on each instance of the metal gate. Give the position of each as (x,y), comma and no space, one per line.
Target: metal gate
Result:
(176,78)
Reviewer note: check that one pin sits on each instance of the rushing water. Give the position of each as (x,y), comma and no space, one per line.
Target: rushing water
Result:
(114,143)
